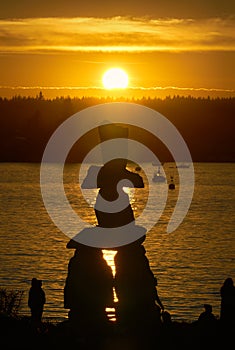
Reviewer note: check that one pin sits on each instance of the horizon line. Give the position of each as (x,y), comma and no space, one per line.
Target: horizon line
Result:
(151,88)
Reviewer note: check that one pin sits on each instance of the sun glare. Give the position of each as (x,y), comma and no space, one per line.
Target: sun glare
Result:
(115,78)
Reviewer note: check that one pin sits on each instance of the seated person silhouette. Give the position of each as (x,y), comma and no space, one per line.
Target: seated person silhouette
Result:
(207,317)
(207,323)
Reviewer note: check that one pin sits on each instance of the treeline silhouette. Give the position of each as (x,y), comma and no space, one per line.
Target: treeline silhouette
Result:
(207,125)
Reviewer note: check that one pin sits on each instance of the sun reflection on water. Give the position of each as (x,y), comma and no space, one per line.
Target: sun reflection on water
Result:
(109,257)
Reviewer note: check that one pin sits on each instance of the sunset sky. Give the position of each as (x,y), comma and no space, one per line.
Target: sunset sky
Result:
(166,47)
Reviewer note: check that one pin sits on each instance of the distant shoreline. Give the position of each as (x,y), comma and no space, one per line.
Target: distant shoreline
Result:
(206,125)
(71,162)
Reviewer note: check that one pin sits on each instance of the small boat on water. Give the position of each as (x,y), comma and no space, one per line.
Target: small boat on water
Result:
(171,184)
(155,163)
(158,177)
(183,165)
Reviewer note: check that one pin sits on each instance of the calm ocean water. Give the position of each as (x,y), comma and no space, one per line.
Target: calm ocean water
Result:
(191,263)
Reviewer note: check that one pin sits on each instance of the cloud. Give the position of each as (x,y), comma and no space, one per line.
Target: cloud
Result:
(116,34)
(141,88)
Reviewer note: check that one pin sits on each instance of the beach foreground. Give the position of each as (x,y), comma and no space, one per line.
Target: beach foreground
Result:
(18,333)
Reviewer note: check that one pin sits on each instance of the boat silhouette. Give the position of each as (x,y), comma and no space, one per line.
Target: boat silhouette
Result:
(183,165)
(158,177)
(171,184)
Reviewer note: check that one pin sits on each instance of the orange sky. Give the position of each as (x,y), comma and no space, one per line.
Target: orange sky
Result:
(162,56)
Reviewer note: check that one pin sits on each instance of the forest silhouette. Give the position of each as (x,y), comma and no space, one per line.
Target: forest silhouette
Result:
(207,126)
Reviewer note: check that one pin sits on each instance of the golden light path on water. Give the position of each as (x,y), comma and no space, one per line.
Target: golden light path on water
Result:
(109,257)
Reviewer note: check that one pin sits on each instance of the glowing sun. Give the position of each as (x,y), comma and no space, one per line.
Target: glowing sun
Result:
(115,78)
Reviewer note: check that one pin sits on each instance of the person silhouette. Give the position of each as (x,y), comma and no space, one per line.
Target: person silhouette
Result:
(206,327)
(227,310)
(36,301)
(207,317)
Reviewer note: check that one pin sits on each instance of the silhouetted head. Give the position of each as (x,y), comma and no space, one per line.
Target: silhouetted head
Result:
(39,283)
(166,317)
(208,308)
(228,282)
(34,282)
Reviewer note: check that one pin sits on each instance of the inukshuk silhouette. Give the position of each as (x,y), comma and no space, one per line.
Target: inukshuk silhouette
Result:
(88,288)
(89,282)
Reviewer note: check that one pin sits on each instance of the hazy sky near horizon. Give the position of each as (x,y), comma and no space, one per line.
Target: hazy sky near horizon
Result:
(112,8)
(166,43)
